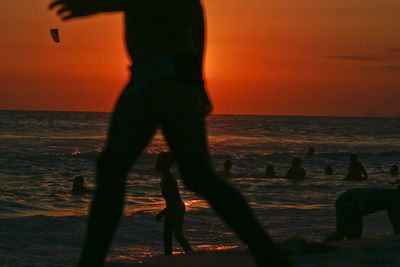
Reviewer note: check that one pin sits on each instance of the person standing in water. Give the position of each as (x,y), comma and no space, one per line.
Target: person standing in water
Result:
(78,186)
(175,209)
(226,172)
(296,172)
(165,40)
(270,171)
(356,171)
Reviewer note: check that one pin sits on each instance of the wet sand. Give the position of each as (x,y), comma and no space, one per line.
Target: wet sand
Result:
(366,252)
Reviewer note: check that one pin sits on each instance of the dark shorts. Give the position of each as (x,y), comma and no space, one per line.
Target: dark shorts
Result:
(184,68)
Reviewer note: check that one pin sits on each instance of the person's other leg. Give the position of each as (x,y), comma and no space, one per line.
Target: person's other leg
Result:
(184,129)
(393,213)
(131,129)
(178,228)
(167,235)
(339,233)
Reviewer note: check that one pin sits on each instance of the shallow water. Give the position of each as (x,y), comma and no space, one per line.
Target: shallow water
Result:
(41,152)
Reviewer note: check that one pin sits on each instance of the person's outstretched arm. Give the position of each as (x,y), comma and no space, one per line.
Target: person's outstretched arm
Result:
(69,9)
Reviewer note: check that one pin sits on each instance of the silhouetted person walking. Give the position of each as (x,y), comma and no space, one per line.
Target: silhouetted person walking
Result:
(165,40)
(356,171)
(175,209)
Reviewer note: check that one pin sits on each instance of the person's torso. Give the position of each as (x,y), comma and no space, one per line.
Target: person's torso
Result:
(372,200)
(170,192)
(160,27)
(355,171)
(296,173)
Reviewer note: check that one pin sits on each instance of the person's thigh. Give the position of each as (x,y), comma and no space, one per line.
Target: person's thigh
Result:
(183,125)
(132,126)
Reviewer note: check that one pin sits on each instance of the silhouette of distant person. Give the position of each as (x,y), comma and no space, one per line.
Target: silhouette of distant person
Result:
(78,185)
(394,170)
(226,172)
(270,171)
(175,208)
(356,171)
(328,170)
(310,151)
(352,205)
(165,40)
(296,172)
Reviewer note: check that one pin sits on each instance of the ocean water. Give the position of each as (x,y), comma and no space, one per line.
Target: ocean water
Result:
(42,223)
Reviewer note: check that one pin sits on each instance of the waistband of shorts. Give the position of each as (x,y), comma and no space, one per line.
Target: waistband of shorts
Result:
(185,68)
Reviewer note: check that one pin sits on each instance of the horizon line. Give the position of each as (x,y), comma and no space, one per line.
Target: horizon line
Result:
(222,114)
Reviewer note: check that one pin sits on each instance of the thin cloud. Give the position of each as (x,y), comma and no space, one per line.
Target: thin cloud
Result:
(357,58)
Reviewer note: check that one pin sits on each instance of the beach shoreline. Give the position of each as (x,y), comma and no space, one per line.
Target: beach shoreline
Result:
(364,252)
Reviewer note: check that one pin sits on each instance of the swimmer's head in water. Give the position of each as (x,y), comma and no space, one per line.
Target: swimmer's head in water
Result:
(228,165)
(328,170)
(164,161)
(353,157)
(78,182)
(296,161)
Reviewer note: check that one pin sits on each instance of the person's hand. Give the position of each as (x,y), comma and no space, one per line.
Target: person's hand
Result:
(69,9)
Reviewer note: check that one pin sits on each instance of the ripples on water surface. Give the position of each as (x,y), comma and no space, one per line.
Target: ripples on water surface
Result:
(40,153)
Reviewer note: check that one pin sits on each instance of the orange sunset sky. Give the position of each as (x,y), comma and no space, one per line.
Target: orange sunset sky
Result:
(286,57)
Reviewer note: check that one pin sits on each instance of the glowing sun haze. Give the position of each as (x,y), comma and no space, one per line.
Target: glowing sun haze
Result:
(263,57)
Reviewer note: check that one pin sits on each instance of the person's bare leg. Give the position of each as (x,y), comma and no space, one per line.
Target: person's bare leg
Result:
(184,129)
(131,129)
(340,232)
(167,235)
(354,227)
(178,229)
(393,213)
